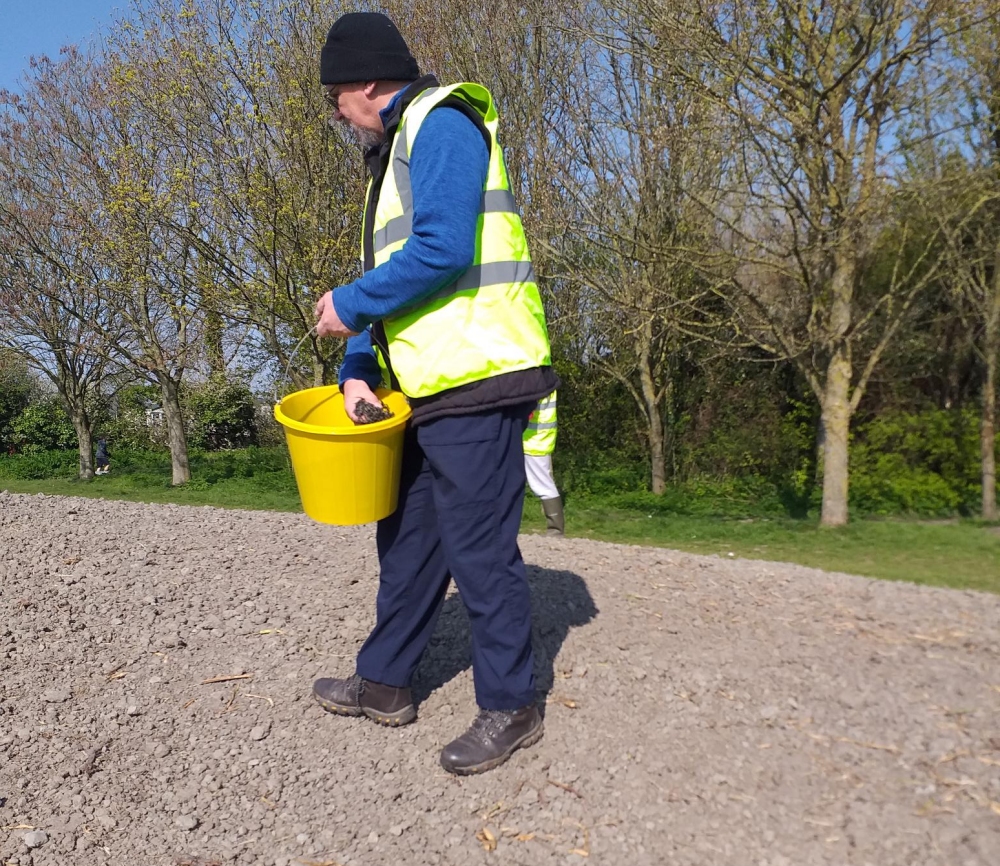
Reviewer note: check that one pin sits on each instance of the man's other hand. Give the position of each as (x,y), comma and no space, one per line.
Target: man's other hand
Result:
(329,324)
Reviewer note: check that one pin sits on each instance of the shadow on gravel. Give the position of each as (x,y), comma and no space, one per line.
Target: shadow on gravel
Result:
(560,601)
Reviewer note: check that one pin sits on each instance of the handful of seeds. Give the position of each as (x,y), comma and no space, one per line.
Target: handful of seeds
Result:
(369,413)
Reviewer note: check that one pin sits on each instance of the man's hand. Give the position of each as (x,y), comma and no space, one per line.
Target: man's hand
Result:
(355,390)
(329,324)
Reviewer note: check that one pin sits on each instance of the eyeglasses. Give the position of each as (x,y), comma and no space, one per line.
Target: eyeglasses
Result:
(332,98)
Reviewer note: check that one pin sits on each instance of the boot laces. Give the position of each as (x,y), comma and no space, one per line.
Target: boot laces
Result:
(489,724)
(355,686)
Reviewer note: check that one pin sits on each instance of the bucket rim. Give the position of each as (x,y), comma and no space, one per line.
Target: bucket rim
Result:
(400,417)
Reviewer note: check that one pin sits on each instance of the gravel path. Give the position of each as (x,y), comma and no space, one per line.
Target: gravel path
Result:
(698,710)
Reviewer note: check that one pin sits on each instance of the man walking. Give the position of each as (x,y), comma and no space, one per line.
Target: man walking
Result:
(448,312)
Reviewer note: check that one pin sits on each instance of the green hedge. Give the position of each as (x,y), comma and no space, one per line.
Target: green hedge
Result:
(925,464)
(35,467)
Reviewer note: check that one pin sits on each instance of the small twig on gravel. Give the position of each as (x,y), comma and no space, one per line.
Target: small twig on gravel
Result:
(893,749)
(87,767)
(317,862)
(584,849)
(565,787)
(496,809)
(18,827)
(262,697)
(227,679)
(951,756)
(232,699)
(823,738)
(116,673)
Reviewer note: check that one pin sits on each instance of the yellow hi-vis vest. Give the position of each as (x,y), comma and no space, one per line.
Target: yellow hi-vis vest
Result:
(540,434)
(490,320)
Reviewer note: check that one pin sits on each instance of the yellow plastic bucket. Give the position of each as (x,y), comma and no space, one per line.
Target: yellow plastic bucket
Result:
(346,473)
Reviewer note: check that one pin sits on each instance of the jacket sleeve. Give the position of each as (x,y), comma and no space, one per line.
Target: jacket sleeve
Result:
(360,362)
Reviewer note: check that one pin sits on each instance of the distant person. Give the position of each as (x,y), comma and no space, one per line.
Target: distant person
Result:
(539,443)
(103,460)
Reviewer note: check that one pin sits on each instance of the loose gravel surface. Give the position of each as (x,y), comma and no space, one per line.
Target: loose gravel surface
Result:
(155,707)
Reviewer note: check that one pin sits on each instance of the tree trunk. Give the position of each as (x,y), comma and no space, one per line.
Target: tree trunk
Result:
(84,438)
(836,426)
(658,482)
(213,342)
(654,418)
(987,439)
(176,438)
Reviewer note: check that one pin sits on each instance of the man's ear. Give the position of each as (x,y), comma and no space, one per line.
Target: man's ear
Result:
(370,88)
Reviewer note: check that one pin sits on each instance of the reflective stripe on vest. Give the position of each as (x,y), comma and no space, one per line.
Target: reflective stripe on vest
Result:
(489,321)
(540,434)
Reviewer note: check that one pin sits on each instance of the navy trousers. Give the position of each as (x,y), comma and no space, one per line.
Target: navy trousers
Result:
(460,502)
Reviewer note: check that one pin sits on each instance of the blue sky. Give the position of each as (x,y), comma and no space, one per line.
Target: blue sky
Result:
(30,27)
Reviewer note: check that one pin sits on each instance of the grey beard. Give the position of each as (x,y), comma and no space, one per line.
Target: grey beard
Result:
(367,138)
(357,136)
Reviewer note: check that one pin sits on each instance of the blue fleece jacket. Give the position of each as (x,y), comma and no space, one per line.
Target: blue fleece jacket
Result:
(449,161)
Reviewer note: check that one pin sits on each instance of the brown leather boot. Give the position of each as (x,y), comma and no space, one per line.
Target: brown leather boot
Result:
(493,737)
(355,696)
(555,521)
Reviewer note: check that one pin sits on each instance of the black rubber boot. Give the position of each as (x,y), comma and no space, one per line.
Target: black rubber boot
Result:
(555,522)
(355,696)
(493,737)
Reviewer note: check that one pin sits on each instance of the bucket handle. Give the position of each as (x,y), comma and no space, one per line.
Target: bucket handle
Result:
(291,357)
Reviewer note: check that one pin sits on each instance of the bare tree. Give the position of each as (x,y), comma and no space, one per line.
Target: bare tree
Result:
(818,90)
(972,225)
(278,191)
(637,160)
(50,310)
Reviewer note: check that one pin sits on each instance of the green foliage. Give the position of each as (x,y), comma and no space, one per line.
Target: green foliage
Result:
(244,478)
(36,466)
(598,473)
(221,414)
(924,463)
(17,389)
(124,425)
(43,426)
(599,448)
(745,425)
(707,497)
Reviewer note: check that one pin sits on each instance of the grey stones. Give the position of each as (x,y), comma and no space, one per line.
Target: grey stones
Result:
(35,839)
(56,696)
(187,822)
(741,744)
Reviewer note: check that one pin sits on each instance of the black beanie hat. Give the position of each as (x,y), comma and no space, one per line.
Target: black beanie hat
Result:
(365,46)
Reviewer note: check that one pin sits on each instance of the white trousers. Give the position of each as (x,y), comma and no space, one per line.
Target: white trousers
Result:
(539,472)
